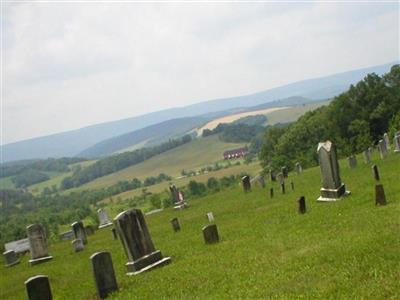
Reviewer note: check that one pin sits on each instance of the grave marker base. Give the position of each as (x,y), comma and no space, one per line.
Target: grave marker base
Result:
(105,225)
(37,261)
(329,195)
(159,263)
(13,263)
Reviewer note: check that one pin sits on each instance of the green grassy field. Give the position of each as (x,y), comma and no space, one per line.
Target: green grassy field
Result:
(195,154)
(6,183)
(343,250)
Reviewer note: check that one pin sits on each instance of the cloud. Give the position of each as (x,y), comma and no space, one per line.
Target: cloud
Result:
(68,65)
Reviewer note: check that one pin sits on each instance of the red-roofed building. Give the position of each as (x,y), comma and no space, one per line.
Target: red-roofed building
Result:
(235,153)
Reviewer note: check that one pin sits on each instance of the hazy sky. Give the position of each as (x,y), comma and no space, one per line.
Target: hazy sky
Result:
(68,65)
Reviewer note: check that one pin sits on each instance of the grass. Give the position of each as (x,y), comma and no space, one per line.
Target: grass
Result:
(6,183)
(195,154)
(343,250)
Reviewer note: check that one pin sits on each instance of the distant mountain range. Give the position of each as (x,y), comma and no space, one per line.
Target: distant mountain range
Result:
(72,143)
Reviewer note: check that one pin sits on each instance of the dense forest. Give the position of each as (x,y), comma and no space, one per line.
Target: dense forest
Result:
(118,162)
(354,121)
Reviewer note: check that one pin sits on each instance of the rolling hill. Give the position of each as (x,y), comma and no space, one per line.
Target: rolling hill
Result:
(73,142)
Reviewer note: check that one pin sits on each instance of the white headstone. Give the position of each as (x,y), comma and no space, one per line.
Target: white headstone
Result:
(210,217)
(103,218)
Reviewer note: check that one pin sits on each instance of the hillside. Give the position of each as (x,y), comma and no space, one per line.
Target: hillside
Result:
(73,142)
(345,250)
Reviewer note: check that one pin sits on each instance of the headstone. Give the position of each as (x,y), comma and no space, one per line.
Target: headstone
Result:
(299,169)
(19,246)
(387,140)
(246,183)
(174,193)
(178,197)
(352,161)
(77,245)
(38,288)
(175,224)
(332,187)
(79,231)
(292,185)
(104,275)
(66,235)
(103,218)
(380,198)
(371,151)
(261,181)
(89,230)
(281,178)
(283,190)
(285,172)
(375,171)
(210,234)
(11,258)
(272,175)
(210,217)
(38,244)
(302,205)
(136,240)
(114,232)
(382,149)
(396,143)
(271,192)
(367,156)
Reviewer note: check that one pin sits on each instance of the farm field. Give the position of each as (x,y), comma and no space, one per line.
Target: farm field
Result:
(196,154)
(343,250)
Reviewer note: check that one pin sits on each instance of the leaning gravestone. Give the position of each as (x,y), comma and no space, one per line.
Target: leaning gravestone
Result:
(11,258)
(114,232)
(66,235)
(382,149)
(19,246)
(174,193)
(261,181)
(375,171)
(283,189)
(271,192)
(137,243)
(79,231)
(285,172)
(352,161)
(387,141)
(272,175)
(210,234)
(175,224)
(38,288)
(246,183)
(210,217)
(380,198)
(103,218)
(104,275)
(281,178)
(298,167)
(367,156)
(396,142)
(77,245)
(332,186)
(37,244)
(292,185)
(302,205)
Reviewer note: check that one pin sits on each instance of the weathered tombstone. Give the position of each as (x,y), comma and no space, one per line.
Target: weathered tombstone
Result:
(175,224)
(11,258)
(272,175)
(375,171)
(370,151)
(281,178)
(104,275)
(114,232)
(367,156)
(38,288)
(77,245)
(79,231)
(103,218)
(396,143)
(285,172)
(137,243)
(261,180)
(302,205)
(352,161)
(210,234)
(380,198)
(292,185)
(246,183)
(210,217)
(38,244)
(66,235)
(283,189)
(382,149)
(174,193)
(18,246)
(89,230)
(387,141)
(299,169)
(332,186)
(271,192)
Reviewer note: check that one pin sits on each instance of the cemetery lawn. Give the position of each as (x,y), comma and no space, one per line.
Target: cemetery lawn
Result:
(347,249)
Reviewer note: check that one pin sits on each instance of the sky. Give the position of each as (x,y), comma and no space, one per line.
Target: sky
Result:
(69,65)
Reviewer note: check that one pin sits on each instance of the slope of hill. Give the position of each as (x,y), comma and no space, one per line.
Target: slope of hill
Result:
(347,249)
(157,133)
(72,142)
